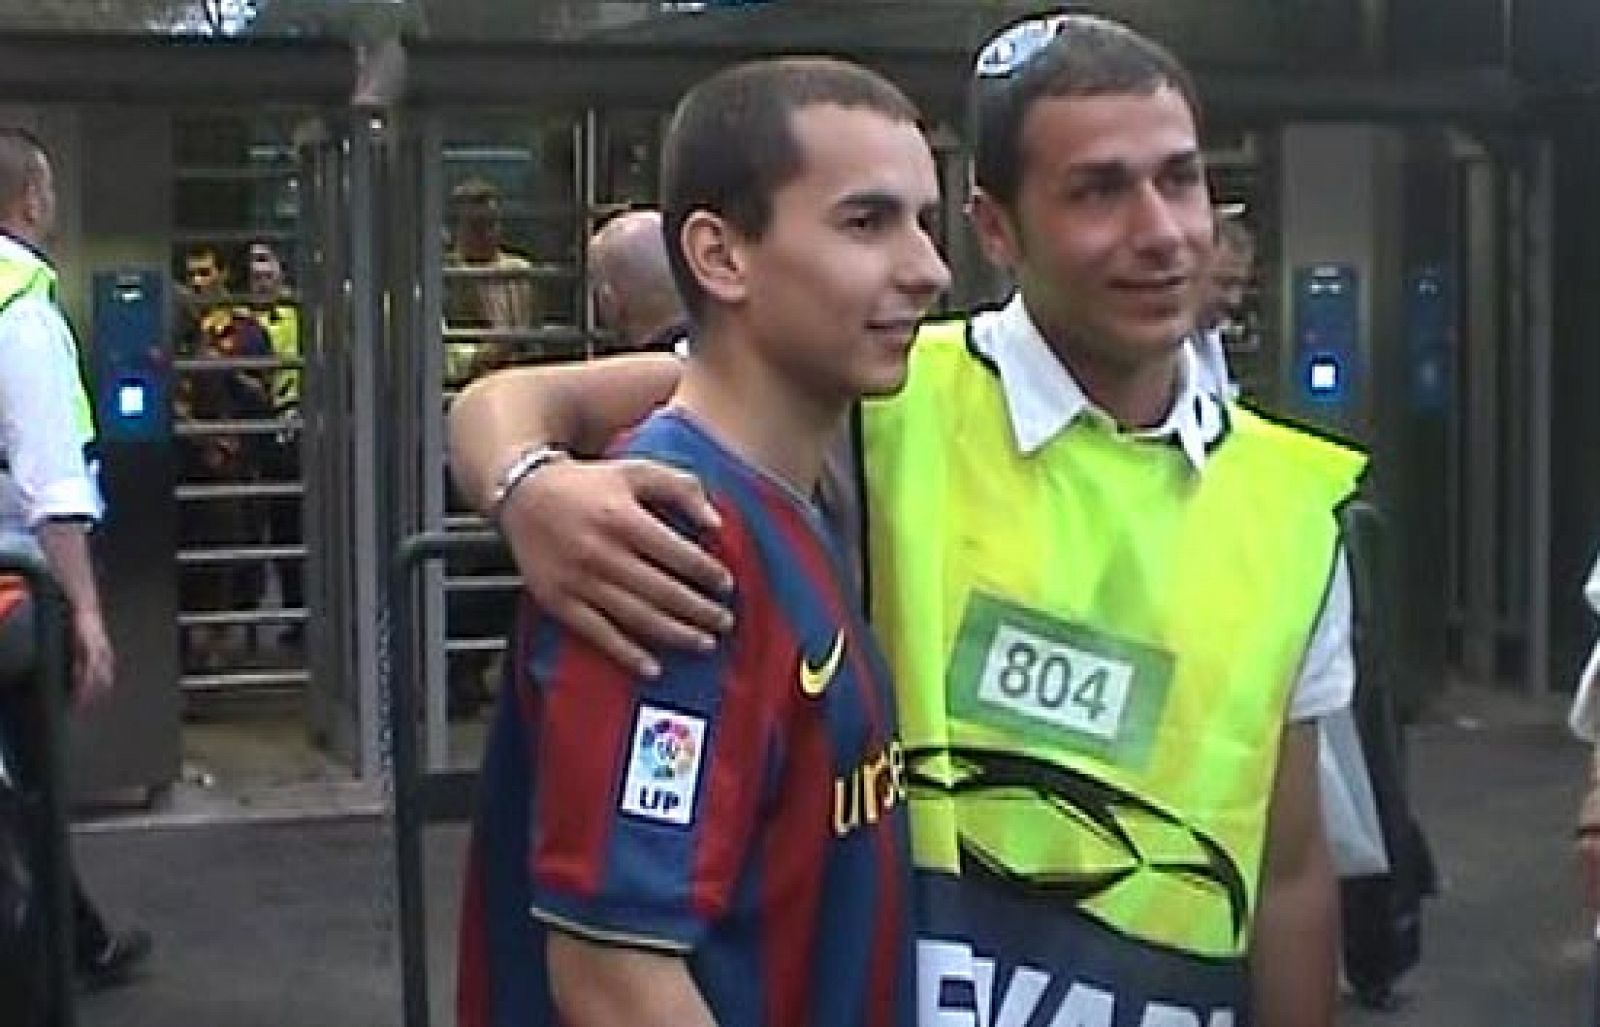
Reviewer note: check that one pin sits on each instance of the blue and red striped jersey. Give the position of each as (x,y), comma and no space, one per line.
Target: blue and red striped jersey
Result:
(745,810)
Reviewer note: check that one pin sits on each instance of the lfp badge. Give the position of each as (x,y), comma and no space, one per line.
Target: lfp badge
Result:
(665,766)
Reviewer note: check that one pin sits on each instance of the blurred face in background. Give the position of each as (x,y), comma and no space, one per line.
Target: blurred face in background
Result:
(1232,271)
(204,274)
(265,273)
(478,228)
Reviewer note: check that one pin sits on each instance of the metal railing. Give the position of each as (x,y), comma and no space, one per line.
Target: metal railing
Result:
(421,796)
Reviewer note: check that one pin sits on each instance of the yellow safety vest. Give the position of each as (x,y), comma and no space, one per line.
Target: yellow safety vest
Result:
(1094,650)
(19,278)
(281,322)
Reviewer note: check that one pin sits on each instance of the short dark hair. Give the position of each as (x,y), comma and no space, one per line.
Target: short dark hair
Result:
(1089,56)
(201,250)
(20,151)
(473,194)
(731,145)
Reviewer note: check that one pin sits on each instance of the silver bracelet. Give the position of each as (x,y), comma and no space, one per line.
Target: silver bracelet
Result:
(519,471)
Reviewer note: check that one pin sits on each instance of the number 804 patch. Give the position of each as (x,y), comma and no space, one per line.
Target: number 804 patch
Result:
(1058,683)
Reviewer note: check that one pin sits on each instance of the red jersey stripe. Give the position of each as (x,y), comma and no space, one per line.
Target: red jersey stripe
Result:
(588,713)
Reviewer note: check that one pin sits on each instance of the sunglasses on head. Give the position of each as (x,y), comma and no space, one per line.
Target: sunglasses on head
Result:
(1017,44)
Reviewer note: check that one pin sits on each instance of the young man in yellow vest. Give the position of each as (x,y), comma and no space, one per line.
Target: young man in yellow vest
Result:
(276,310)
(1115,602)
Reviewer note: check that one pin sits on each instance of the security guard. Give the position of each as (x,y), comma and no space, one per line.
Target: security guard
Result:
(274,308)
(1113,700)
(1115,601)
(47,491)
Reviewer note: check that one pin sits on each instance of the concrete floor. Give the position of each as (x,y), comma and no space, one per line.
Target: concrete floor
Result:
(273,923)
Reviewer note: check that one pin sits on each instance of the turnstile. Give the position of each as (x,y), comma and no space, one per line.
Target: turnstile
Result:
(130,739)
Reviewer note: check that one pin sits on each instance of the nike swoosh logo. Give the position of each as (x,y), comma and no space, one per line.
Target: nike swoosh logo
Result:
(815,680)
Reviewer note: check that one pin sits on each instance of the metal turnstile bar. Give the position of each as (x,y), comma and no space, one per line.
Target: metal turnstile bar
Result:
(483,583)
(554,335)
(241,490)
(225,681)
(192,365)
(236,173)
(243,426)
(535,273)
(239,554)
(238,236)
(474,645)
(229,618)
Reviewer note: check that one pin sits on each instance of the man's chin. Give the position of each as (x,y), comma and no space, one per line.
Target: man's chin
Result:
(883,381)
(1154,338)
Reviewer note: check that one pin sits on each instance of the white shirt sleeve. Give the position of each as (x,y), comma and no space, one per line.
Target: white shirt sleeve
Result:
(1584,718)
(1328,675)
(38,427)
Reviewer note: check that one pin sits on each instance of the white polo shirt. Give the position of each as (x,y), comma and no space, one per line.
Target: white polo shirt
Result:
(1212,357)
(46,475)
(1044,399)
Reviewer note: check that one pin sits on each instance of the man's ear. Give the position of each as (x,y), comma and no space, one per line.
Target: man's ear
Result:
(996,229)
(712,249)
(33,199)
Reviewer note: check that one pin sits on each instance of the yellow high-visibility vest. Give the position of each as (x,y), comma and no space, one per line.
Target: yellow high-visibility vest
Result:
(281,322)
(20,278)
(1094,650)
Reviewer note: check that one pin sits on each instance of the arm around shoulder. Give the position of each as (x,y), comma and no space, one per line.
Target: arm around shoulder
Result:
(579,407)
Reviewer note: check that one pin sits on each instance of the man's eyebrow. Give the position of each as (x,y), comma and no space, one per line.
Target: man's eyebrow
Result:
(1113,168)
(1183,159)
(875,200)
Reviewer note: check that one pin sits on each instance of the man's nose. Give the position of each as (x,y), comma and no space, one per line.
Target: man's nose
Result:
(924,272)
(1155,221)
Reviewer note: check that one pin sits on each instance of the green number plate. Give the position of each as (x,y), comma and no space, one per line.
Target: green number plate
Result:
(1058,683)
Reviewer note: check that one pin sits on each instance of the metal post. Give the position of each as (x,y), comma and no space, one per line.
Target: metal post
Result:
(586,187)
(428,394)
(1480,628)
(402,688)
(368,165)
(413,805)
(1539,270)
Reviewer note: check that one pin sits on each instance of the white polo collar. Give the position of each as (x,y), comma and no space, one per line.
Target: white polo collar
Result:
(12,248)
(1043,398)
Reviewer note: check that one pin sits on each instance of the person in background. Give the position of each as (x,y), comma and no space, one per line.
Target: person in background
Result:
(1227,285)
(630,280)
(487,288)
(48,496)
(217,328)
(1585,722)
(273,305)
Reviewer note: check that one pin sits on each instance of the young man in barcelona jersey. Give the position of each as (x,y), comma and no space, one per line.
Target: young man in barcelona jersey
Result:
(1115,602)
(726,842)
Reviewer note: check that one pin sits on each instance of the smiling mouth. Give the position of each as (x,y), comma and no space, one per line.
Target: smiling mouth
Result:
(1171,284)
(895,326)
